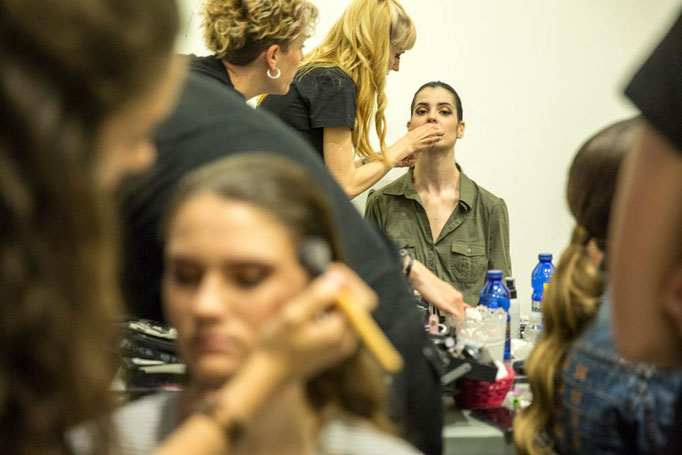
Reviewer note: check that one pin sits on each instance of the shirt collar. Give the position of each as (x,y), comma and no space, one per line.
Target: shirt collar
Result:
(405,187)
(213,67)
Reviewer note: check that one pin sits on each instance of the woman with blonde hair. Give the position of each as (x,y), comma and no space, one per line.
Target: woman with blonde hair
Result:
(586,398)
(256,44)
(338,93)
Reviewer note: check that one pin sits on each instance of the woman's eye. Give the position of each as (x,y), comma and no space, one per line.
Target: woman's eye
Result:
(251,277)
(445,112)
(420,111)
(185,276)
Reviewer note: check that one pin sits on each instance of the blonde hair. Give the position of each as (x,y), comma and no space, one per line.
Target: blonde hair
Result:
(576,287)
(359,44)
(238,31)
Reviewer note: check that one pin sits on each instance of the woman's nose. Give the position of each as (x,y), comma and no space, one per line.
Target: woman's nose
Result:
(208,300)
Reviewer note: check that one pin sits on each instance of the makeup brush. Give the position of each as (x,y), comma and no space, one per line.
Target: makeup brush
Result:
(315,255)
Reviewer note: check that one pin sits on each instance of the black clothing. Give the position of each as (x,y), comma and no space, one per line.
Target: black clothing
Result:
(209,123)
(213,67)
(323,97)
(656,89)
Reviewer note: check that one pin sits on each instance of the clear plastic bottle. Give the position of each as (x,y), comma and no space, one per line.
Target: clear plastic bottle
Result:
(495,294)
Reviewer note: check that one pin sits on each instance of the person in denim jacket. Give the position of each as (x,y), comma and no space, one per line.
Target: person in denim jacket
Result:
(606,404)
(586,398)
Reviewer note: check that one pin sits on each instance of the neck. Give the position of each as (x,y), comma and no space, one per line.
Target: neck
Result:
(435,171)
(247,80)
(286,425)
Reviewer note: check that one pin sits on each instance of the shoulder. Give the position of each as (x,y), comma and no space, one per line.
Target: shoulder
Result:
(487,199)
(356,437)
(137,428)
(143,424)
(392,189)
(329,78)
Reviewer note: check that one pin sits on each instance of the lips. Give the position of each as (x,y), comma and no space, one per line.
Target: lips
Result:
(216,344)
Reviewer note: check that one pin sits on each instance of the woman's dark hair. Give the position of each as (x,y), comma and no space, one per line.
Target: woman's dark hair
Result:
(64,67)
(286,191)
(448,87)
(576,287)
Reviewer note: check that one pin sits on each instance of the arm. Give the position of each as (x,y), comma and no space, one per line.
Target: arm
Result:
(339,158)
(436,291)
(498,252)
(356,177)
(646,235)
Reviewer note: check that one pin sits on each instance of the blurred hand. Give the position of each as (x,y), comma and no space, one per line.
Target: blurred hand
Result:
(309,334)
(436,291)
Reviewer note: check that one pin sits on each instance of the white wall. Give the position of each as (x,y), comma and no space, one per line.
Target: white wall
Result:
(536,78)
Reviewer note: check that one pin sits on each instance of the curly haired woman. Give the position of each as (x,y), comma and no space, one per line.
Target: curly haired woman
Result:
(256,44)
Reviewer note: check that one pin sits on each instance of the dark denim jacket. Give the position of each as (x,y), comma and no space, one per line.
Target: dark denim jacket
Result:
(608,405)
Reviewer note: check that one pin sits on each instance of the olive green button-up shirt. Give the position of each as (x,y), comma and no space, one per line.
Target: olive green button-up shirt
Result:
(474,239)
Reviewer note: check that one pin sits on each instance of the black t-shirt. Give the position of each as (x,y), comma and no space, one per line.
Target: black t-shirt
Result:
(211,122)
(656,89)
(321,98)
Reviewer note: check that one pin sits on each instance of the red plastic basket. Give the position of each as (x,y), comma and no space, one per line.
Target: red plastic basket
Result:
(481,394)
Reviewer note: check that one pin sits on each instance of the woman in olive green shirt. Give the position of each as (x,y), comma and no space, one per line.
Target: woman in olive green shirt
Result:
(444,219)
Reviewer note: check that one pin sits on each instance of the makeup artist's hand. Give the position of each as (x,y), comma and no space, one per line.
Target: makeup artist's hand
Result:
(420,138)
(309,334)
(425,136)
(409,160)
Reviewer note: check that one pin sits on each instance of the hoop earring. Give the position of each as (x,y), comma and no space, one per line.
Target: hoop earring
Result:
(276,76)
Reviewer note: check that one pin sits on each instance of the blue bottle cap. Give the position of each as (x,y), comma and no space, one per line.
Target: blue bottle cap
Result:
(545,257)
(494,274)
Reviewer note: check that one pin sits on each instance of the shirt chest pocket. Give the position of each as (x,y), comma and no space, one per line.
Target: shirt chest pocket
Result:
(468,262)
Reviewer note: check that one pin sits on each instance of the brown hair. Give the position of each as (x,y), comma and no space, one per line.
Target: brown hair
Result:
(238,31)
(64,67)
(576,286)
(285,190)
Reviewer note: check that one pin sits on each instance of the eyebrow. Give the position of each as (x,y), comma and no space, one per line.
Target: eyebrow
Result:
(182,260)
(438,104)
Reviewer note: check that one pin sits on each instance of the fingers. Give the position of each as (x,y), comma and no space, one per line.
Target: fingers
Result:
(356,287)
(317,297)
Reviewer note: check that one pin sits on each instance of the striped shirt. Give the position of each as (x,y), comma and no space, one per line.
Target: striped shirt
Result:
(141,426)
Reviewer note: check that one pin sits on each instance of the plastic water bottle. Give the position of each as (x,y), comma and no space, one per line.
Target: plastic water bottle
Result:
(541,275)
(495,294)
(534,328)
(514,310)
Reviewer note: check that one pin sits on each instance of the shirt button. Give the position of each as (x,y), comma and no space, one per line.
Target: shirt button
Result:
(468,250)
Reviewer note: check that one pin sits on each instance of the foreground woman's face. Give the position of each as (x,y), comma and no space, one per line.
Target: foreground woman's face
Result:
(125,138)
(229,266)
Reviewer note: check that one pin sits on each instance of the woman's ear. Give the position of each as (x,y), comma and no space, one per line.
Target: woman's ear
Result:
(271,56)
(460,129)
